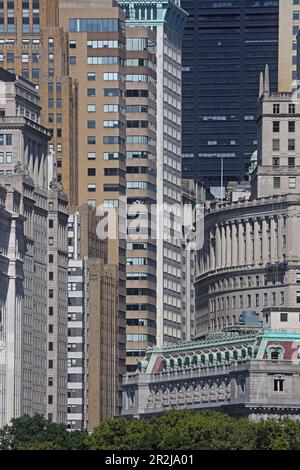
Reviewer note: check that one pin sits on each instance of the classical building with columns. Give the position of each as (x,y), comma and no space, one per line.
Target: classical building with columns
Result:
(251,254)
(33,262)
(253,374)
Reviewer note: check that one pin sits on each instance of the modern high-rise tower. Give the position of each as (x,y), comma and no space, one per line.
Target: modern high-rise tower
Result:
(97,62)
(167,20)
(225,47)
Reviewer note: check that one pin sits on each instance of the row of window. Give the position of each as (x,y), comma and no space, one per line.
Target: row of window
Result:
(291,182)
(220,304)
(291,108)
(291,126)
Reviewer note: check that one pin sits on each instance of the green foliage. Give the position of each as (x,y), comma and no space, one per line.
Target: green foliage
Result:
(31,432)
(174,430)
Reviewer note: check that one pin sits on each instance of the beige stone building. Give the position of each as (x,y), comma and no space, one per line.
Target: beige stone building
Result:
(33,45)
(26,248)
(251,255)
(97,62)
(289,23)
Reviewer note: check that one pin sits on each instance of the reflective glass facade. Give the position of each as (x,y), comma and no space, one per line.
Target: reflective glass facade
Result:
(226,45)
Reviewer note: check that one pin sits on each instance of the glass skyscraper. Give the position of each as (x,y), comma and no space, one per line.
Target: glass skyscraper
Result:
(226,45)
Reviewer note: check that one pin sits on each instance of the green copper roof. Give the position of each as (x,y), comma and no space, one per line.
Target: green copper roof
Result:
(154,13)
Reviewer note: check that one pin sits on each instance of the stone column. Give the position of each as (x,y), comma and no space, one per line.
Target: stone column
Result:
(228,245)
(279,237)
(234,244)
(257,251)
(223,238)
(241,243)
(274,235)
(249,248)
(218,247)
(265,243)
(212,252)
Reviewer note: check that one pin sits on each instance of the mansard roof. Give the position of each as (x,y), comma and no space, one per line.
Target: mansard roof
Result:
(222,349)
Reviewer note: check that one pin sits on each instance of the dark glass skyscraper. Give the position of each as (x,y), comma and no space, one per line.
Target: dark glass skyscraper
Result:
(226,46)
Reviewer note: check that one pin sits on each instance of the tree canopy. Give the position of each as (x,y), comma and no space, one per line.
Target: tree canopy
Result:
(174,430)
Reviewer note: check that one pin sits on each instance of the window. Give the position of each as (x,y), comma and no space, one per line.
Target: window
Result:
(291,162)
(291,144)
(8,157)
(91,140)
(276,182)
(276,126)
(276,108)
(283,317)
(91,76)
(91,108)
(72,60)
(278,385)
(292,126)
(91,172)
(91,124)
(292,109)
(276,144)
(292,182)
(91,92)
(91,188)
(298,297)
(275,162)
(111,92)
(91,156)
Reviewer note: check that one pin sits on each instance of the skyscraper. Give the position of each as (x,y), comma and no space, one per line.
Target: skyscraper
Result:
(167,20)
(226,45)
(34,46)
(97,62)
(289,22)
(93,325)
(141,190)
(33,259)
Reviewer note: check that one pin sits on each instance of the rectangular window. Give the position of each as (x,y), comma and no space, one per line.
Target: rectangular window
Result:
(91,188)
(276,182)
(291,144)
(276,144)
(276,108)
(278,385)
(91,76)
(298,297)
(291,162)
(91,140)
(276,126)
(292,182)
(91,156)
(292,126)
(292,109)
